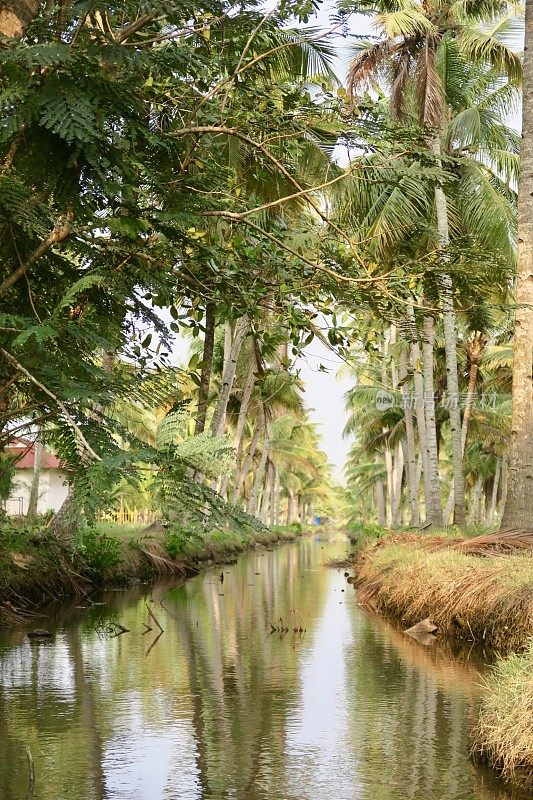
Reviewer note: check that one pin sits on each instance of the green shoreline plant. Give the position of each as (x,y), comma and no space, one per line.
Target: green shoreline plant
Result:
(503,735)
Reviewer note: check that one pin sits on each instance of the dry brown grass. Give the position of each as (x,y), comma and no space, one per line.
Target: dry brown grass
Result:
(504,734)
(485,598)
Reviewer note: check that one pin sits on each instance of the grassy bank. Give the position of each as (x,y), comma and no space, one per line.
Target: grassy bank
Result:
(36,568)
(504,734)
(477,589)
(482,596)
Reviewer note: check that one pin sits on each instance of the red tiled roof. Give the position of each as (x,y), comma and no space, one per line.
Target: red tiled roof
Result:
(24,452)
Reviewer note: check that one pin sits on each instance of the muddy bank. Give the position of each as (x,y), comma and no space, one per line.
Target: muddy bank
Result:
(37,569)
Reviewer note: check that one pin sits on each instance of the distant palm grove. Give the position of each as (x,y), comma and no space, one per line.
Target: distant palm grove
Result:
(198,174)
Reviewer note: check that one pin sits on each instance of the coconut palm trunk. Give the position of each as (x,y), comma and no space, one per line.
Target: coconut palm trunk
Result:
(247,463)
(475,499)
(238,439)
(290,507)
(518,510)
(207,367)
(431,427)
(397,479)
(450,349)
(418,380)
(271,510)
(253,502)
(494,495)
(380,502)
(467,416)
(504,483)
(390,485)
(267,493)
(410,445)
(276,498)
(475,352)
(33,501)
(228,377)
(16,15)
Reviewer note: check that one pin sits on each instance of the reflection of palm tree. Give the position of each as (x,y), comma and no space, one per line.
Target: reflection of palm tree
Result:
(419,726)
(87,711)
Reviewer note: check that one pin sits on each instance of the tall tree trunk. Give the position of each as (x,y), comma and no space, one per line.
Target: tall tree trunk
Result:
(396,505)
(410,445)
(247,463)
(475,498)
(65,521)
(469,401)
(435,516)
(276,498)
(228,338)
(228,377)
(389,500)
(16,15)
(518,510)
(450,349)
(380,501)
(238,440)
(420,414)
(290,507)
(504,482)
(253,502)
(33,502)
(268,488)
(467,416)
(303,511)
(207,367)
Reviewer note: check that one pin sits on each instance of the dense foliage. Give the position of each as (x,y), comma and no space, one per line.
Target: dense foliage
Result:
(175,169)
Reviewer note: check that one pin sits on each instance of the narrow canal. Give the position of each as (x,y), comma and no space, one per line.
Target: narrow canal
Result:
(218,707)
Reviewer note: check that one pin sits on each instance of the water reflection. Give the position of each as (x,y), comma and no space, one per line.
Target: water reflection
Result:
(220,708)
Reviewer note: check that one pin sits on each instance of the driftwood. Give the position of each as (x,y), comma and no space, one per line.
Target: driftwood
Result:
(424,631)
(31,769)
(39,633)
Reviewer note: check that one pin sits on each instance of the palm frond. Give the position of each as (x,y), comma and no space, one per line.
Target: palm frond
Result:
(370,58)
(407,22)
(429,90)
(484,48)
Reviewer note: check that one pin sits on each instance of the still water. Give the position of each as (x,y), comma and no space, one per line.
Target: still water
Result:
(217,707)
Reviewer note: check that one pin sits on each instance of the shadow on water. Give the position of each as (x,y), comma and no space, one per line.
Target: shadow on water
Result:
(219,706)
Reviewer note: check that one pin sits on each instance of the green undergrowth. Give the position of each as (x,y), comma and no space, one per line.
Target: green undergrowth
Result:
(36,567)
(503,736)
(217,543)
(479,598)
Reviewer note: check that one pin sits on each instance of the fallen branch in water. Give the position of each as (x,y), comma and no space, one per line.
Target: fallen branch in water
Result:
(157,638)
(153,616)
(31,768)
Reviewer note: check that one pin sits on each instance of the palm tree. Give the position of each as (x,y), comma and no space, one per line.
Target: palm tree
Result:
(518,511)
(422,50)
(416,42)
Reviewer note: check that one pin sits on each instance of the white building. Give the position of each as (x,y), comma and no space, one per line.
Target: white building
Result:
(53,484)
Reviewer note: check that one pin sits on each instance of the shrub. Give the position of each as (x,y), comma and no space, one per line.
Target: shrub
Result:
(359,531)
(101,552)
(176,540)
